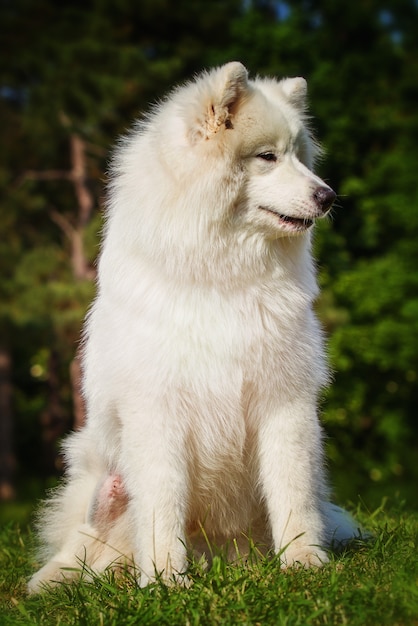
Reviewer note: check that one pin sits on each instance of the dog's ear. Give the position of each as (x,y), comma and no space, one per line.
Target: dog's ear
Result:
(230,83)
(295,90)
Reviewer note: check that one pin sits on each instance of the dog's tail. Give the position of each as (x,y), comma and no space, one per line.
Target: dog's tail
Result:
(341,527)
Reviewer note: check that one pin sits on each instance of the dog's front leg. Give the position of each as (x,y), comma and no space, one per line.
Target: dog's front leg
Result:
(155,473)
(291,472)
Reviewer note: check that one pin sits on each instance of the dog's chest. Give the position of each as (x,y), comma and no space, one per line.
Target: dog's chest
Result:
(239,327)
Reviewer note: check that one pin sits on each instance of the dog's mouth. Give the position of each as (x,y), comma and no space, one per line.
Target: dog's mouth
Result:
(290,223)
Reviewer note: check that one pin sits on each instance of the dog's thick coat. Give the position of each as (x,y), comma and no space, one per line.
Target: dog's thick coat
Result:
(203,359)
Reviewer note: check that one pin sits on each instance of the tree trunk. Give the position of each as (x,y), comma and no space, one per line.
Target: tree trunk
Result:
(74,230)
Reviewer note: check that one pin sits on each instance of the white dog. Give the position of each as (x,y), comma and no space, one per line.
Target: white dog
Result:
(203,359)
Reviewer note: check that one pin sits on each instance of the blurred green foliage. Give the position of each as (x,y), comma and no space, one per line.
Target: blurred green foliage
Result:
(87,69)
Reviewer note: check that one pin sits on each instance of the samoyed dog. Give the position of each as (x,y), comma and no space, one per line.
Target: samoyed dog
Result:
(203,359)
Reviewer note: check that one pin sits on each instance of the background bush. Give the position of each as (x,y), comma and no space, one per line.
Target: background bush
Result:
(75,74)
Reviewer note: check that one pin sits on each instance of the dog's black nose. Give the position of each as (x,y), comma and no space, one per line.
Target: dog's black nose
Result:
(324,197)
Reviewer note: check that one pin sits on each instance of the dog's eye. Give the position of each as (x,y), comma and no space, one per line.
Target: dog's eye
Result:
(267,156)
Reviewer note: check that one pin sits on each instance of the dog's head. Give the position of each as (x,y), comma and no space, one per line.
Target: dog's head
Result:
(252,138)
(218,181)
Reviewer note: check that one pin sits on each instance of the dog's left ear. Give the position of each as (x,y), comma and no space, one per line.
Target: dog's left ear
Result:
(295,90)
(230,84)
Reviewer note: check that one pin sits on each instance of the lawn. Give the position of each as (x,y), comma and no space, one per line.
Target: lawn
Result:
(375,583)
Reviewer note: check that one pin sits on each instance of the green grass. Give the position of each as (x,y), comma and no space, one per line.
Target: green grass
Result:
(373,583)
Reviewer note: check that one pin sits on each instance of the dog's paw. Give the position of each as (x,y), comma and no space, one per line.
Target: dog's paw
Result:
(50,575)
(306,556)
(172,579)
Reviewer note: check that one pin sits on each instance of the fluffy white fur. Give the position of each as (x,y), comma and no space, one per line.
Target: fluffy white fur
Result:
(203,359)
